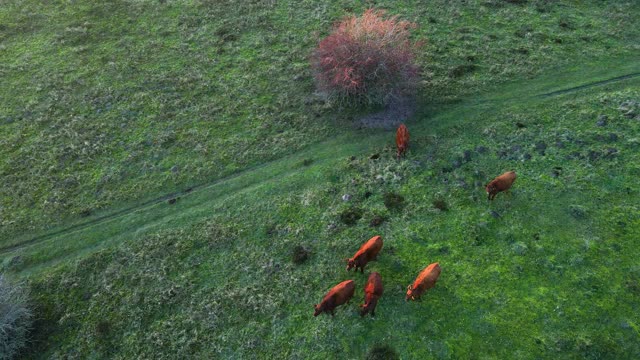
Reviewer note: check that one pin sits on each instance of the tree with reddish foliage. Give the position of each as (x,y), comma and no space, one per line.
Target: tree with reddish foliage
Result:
(366,59)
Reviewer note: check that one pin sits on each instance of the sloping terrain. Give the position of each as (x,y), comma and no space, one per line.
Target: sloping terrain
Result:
(109,104)
(214,275)
(212,263)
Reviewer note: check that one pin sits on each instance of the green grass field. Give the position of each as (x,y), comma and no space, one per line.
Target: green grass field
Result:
(111,109)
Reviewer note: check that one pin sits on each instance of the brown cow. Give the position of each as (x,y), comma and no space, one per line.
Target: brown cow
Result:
(425,281)
(501,183)
(337,296)
(372,292)
(369,251)
(402,139)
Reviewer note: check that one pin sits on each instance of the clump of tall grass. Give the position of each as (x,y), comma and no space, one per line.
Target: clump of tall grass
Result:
(15,318)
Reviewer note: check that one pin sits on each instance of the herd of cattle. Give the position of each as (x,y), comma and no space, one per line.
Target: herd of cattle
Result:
(344,291)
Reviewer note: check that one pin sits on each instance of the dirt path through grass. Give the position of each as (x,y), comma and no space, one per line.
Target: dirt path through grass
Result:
(97,232)
(589,85)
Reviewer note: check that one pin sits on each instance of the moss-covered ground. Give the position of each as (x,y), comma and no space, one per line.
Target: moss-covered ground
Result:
(109,105)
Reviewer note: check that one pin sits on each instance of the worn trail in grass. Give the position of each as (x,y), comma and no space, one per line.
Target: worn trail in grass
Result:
(107,104)
(110,105)
(548,271)
(619,67)
(200,201)
(254,173)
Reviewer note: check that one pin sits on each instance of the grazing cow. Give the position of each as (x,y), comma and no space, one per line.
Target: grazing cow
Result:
(402,139)
(425,281)
(372,292)
(501,183)
(369,251)
(337,296)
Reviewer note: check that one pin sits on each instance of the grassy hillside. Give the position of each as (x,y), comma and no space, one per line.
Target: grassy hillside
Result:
(110,103)
(555,259)
(546,271)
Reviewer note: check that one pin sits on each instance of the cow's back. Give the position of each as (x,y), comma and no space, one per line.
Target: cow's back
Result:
(342,292)
(402,138)
(371,248)
(374,284)
(505,180)
(402,135)
(428,277)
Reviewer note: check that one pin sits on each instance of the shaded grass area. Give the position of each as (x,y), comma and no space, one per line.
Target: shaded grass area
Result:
(555,258)
(111,103)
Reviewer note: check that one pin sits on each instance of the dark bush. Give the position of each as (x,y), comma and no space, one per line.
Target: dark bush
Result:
(460,70)
(103,328)
(440,205)
(366,60)
(377,221)
(578,212)
(393,201)
(300,254)
(15,318)
(633,286)
(351,216)
(566,24)
(382,352)
(85,212)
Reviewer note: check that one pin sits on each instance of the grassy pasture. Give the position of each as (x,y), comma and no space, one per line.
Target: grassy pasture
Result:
(108,104)
(547,271)
(213,276)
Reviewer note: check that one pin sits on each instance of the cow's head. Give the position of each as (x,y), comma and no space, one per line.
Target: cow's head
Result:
(318,310)
(401,149)
(491,189)
(364,309)
(410,294)
(351,263)
(369,304)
